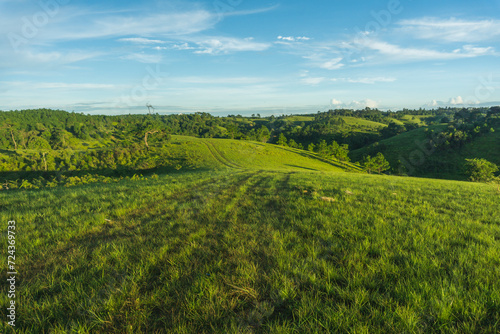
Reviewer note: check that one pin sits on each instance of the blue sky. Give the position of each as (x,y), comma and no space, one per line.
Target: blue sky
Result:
(240,56)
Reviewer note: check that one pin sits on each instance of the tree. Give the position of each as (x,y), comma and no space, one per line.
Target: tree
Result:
(369,164)
(380,163)
(480,170)
(392,130)
(282,140)
(339,152)
(292,143)
(377,163)
(263,134)
(58,139)
(322,148)
(311,147)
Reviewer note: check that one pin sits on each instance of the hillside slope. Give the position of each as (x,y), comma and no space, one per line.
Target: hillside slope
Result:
(412,149)
(181,152)
(253,155)
(231,251)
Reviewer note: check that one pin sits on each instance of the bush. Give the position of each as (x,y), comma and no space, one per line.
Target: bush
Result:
(480,170)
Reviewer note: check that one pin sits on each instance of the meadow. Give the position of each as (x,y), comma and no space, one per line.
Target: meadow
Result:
(274,242)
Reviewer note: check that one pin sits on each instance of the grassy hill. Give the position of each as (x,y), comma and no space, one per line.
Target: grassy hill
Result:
(435,164)
(256,238)
(217,153)
(363,122)
(246,250)
(181,152)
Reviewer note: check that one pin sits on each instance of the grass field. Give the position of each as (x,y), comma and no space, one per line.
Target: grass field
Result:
(256,245)
(363,122)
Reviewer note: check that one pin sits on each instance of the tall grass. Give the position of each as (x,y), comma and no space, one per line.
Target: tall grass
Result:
(257,252)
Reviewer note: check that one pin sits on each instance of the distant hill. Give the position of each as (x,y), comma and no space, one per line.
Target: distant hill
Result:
(227,153)
(411,146)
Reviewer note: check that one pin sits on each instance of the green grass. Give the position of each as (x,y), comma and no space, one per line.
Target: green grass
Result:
(299,119)
(240,250)
(226,153)
(416,119)
(363,122)
(256,238)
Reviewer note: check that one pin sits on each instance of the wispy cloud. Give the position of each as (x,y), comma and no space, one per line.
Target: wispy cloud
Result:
(451,30)
(414,54)
(371,81)
(220,80)
(141,40)
(170,24)
(56,58)
(144,58)
(57,85)
(218,45)
(247,12)
(332,64)
(293,39)
(313,80)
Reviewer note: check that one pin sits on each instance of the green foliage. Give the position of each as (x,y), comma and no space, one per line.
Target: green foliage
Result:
(292,144)
(38,143)
(480,170)
(377,163)
(281,140)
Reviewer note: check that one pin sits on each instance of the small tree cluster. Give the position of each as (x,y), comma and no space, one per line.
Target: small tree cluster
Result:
(480,170)
(334,150)
(377,163)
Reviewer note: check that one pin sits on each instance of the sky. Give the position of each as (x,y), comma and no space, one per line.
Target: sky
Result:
(243,57)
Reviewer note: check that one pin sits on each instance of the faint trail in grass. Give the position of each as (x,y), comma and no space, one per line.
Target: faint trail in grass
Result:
(220,157)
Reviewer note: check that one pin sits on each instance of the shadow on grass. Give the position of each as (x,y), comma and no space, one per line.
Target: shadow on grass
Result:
(301,167)
(306,154)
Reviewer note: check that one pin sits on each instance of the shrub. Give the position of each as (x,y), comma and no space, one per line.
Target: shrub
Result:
(480,170)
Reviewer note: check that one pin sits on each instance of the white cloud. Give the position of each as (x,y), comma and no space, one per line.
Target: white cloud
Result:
(218,45)
(370,81)
(313,80)
(144,58)
(457,100)
(140,40)
(59,85)
(287,39)
(183,46)
(412,54)
(451,30)
(28,85)
(249,12)
(454,101)
(223,80)
(332,64)
(171,24)
(355,104)
(56,58)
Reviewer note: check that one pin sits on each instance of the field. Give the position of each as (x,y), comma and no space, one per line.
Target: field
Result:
(270,242)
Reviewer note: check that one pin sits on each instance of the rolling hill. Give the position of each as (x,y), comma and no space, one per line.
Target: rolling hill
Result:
(256,238)
(254,155)
(412,145)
